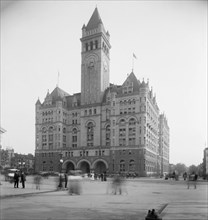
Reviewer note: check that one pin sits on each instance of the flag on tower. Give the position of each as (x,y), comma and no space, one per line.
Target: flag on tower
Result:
(134,56)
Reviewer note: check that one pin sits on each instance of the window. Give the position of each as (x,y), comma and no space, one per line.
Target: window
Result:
(107,135)
(122,132)
(132,121)
(50,138)
(96,44)
(90,134)
(74,138)
(44,130)
(50,130)
(44,139)
(91,45)
(131,165)
(86,46)
(122,166)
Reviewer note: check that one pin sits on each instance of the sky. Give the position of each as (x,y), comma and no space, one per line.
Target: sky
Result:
(169,38)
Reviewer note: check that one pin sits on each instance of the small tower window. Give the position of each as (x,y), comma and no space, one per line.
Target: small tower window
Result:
(91,45)
(96,44)
(86,46)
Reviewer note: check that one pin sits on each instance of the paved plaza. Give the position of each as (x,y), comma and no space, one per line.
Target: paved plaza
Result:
(171,198)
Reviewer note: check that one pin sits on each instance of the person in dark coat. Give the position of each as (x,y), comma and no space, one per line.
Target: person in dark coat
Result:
(16,179)
(23,179)
(66,179)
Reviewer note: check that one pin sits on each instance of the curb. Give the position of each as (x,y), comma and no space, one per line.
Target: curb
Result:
(26,194)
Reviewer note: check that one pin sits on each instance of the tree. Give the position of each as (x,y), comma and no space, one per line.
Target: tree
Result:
(180,168)
(194,169)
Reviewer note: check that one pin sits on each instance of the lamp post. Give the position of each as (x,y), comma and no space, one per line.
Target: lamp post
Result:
(21,164)
(60,175)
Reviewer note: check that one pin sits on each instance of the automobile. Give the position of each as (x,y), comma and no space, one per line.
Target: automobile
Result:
(9,175)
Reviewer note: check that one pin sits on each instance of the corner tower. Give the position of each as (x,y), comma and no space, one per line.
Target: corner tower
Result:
(95,60)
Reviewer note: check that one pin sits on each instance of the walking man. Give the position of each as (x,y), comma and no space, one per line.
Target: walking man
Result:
(23,179)
(16,179)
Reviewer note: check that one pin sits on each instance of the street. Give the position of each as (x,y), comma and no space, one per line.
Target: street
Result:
(169,196)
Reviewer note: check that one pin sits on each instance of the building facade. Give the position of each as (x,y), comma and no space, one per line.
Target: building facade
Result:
(106,127)
(163,145)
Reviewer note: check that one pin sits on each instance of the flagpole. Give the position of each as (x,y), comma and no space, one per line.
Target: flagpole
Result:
(132,64)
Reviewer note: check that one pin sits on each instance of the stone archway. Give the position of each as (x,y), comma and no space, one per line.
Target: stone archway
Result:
(84,166)
(69,166)
(100,167)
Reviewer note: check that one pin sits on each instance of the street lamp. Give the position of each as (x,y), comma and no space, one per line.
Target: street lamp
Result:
(61,162)
(21,164)
(60,176)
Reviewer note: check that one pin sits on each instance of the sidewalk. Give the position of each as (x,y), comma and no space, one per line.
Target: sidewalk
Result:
(7,189)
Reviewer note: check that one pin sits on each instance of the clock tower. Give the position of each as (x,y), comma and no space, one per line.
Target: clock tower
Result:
(95,60)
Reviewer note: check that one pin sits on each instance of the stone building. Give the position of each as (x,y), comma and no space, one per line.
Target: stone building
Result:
(163,145)
(106,127)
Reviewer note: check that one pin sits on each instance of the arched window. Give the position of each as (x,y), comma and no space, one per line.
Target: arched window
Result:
(50,130)
(122,166)
(131,165)
(122,122)
(132,121)
(44,130)
(90,134)
(64,130)
(107,135)
(74,138)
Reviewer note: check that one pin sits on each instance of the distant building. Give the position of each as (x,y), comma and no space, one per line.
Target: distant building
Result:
(205,163)
(163,145)
(106,127)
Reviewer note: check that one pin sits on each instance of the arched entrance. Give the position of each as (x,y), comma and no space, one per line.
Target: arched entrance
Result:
(69,166)
(84,167)
(100,167)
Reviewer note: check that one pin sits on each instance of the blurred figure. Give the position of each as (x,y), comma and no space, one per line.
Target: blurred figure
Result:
(61,178)
(185,176)
(66,179)
(22,179)
(37,181)
(105,176)
(74,182)
(117,185)
(16,179)
(192,178)
(101,176)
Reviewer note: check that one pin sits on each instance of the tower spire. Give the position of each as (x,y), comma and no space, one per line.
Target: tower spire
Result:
(57,85)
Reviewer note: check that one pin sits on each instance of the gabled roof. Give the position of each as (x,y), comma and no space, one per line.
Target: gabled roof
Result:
(38,102)
(94,21)
(58,93)
(132,78)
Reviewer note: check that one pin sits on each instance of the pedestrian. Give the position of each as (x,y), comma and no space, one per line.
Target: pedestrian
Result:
(104,176)
(37,181)
(192,178)
(195,180)
(101,176)
(22,179)
(66,179)
(16,179)
(185,176)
